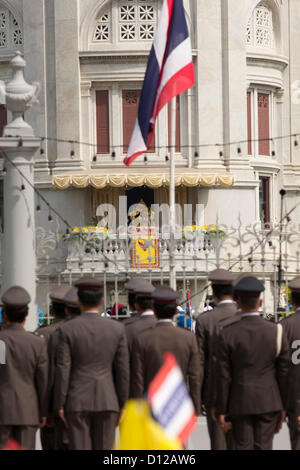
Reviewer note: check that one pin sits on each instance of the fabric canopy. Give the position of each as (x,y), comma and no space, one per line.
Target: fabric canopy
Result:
(137,180)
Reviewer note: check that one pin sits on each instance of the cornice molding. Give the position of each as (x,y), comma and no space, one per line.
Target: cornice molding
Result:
(267,60)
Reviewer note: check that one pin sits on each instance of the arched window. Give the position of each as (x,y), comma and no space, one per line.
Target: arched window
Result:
(136,21)
(103,28)
(11,36)
(260,28)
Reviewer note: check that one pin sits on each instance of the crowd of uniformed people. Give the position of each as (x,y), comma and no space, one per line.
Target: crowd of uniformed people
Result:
(72,378)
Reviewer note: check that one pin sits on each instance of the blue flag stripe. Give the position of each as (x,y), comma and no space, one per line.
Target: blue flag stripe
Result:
(148,94)
(173,404)
(178,27)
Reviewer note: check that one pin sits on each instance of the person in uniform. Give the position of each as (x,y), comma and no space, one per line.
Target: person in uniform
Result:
(23,377)
(207,334)
(144,306)
(72,310)
(130,286)
(92,373)
(252,373)
(291,326)
(150,346)
(57,310)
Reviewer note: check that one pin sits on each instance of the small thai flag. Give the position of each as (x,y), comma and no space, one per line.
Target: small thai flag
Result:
(188,303)
(169,73)
(171,404)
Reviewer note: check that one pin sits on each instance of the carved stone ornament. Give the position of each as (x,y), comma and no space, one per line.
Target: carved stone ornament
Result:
(20,96)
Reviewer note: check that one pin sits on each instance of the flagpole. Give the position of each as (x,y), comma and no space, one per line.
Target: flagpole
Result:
(172,194)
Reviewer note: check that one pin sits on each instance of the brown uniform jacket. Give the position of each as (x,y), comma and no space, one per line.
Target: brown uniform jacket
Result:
(207,334)
(291,327)
(49,334)
(148,352)
(23,379)
(92,371)
(251,380)
(46,331)
(137,326)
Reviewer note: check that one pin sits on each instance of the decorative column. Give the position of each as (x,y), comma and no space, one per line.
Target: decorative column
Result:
(19,145)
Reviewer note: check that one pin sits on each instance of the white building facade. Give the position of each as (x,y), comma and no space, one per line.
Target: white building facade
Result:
(233,150)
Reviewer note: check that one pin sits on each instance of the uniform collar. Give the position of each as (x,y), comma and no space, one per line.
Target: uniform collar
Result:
(165,322)
(90,312)
(251,314)
(223,302)
(148,313)
(15,326)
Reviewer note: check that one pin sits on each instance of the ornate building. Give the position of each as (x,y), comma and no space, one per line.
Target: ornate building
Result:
(90,57)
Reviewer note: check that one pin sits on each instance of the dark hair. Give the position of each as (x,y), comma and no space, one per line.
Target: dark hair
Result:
(131,299)
(74,311)
(295,297)
(144,303)
(248,302)
(165,311)
(16,315)
(58,310)
(90,298)
(220,290)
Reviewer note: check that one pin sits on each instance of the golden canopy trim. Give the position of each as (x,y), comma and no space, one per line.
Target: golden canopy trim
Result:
(136,180)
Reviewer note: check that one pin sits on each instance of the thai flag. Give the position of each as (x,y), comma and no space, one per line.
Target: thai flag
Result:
(171,404)
(188,303)
(169,73)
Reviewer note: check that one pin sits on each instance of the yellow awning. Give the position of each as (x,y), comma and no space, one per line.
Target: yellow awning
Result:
(152,180)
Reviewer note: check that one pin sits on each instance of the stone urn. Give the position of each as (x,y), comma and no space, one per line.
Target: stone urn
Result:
(19,97)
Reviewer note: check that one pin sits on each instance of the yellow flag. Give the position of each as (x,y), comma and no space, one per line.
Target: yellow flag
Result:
(138,430)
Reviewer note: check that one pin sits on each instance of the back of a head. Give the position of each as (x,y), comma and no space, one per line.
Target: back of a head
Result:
(57,296)
(143,295)
(249,303)
(15,303)
(144,303)
(165,311)
(14,315)
(165,302)
(221,291)
(90,298)
(58,309)
(89,292)
(221,281)
(248,290)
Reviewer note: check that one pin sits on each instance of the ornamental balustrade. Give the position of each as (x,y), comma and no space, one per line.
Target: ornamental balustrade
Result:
(64,257)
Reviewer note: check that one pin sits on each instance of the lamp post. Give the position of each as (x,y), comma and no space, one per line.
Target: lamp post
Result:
(19,145)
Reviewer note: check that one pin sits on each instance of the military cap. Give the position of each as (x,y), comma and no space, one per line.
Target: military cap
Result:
(16,297)
(89,283)
(134,284)
(71,297)
(294,284)
(249,286)
(240,277)
(144,289)
(164,295)
(221,277)
(57,295)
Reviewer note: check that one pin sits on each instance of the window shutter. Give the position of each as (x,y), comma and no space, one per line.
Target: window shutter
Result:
(264,200)
(3,118)
(263,124)
(3,121)
(249,122)
(177,136)
(131,100)
(102,111)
